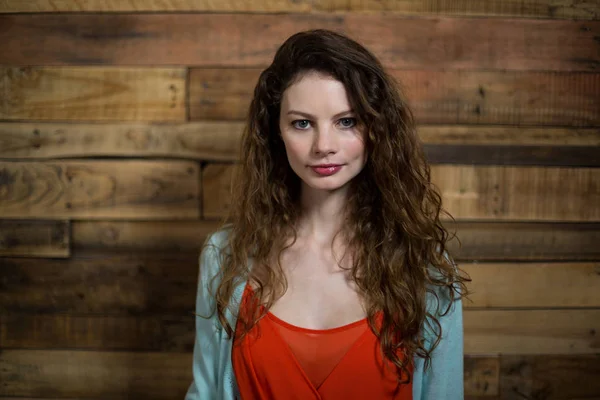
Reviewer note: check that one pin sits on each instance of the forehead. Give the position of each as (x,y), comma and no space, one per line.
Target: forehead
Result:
(317,94)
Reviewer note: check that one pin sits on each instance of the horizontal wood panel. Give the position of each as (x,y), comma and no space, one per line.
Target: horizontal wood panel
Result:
(109,283)
(532,331)
(35,238)
(106,332)
(39,373)
(142,235)
(436,97)
(99,189)
(220,141)
(486,332)
(92,93)
(173,39)
(153,282)
(524,241)
(478,240)
(523,285)
(475,192)
(550,377)
(517,8)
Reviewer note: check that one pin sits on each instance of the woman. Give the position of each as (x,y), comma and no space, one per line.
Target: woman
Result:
(332,280)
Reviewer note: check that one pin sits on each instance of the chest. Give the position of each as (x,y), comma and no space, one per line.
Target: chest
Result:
(320,292)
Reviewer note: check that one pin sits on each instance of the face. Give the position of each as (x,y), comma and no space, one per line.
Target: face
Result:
(324,144)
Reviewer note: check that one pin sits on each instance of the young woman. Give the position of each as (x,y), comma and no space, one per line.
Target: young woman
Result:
(331,280)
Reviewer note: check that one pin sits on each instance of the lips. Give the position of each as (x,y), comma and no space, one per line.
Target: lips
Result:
(326,169)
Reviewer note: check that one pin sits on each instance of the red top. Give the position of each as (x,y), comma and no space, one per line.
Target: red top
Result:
(276,360)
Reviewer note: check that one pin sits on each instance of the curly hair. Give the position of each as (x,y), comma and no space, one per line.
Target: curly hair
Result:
(392,217)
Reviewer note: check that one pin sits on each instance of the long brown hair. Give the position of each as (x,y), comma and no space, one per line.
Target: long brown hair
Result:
(392,215)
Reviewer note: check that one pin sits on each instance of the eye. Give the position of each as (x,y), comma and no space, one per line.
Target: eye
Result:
(301,124)
(347,122)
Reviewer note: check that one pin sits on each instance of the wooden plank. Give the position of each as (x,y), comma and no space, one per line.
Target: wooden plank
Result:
(519,193)
(251,40)
(118,375)
(215,141)
(481,376)
(533,285)
(531,331)
(101,283)
(35,238)
(92,332)
(63,373)
(34,6)
(517,8)
(550,377)
(99,189)
(475,192)
(436,97)
(524,241)
(142,235)
(92,93)
(486,332)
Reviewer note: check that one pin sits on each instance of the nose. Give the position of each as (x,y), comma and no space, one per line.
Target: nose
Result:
(324,141)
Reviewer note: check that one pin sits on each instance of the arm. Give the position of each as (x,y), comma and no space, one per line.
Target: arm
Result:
(209,335)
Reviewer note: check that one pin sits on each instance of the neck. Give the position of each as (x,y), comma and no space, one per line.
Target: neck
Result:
(322,214)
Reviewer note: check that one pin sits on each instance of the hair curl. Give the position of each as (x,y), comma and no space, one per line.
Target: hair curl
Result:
(392,215)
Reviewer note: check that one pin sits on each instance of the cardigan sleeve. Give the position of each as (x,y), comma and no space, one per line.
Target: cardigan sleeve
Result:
(207,358)
(443,380)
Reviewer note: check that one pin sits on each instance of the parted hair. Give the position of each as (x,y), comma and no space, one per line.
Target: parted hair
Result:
(392,230)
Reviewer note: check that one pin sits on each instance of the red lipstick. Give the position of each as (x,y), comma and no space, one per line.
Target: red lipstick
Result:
(326,169)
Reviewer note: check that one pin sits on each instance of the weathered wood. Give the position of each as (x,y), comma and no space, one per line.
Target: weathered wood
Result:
(216,141)
(101,283)
(142,235)
(524,241)
(251,40)
(35,238)
(474,192)
(519,193)
(92,93)
(550,377)
(99,189)
(436,97)
(63,373)
(533,285)
(115,375)
(219,141)
(106,332)
(481,376)
(518,8)
(531,331)
(486,332)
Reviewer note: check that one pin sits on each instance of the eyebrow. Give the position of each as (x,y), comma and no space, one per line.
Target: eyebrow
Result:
(308,116)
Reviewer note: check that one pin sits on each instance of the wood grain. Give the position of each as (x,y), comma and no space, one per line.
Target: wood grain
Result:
(518,8)
(106,283)
(92,93)
(35,238)
(93,332)
(530,285)
(524,241)
(474,192)
(531,331)
(436,97)
(251,40)
(486,332)
(99,189)
(144,236)
(220,140)
(64,373)
(209,141)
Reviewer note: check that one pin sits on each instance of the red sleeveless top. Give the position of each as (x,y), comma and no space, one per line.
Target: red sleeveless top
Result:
(276,360)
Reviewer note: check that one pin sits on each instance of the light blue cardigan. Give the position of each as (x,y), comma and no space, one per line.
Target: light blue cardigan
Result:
(213,377)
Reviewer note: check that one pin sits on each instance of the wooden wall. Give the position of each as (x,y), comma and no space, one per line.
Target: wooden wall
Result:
(119,123)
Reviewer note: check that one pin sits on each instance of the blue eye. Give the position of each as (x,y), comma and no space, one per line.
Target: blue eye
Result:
(347,122)
(301,124)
